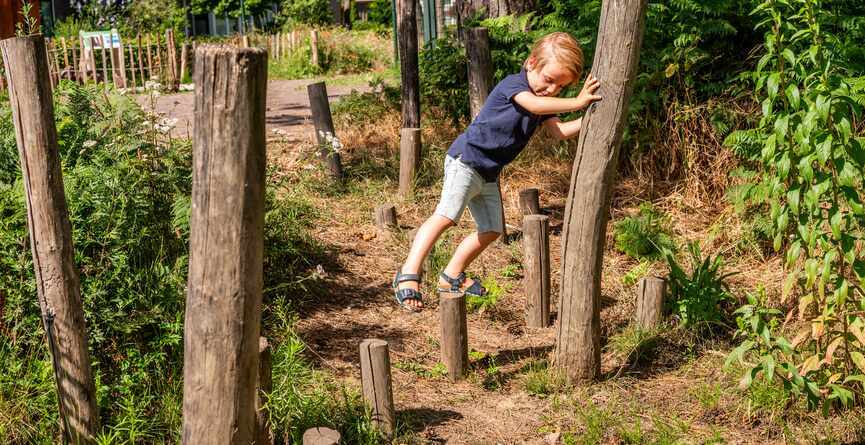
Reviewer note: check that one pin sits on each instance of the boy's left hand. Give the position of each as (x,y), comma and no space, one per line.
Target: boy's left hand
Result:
(587,95)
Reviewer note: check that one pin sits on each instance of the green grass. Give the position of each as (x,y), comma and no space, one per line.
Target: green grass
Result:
(540,380)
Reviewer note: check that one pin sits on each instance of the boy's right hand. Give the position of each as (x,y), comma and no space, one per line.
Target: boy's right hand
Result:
(587,95)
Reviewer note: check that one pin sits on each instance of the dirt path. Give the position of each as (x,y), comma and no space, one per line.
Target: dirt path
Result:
(288,113)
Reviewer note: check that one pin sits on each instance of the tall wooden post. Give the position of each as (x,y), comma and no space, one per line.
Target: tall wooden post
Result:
(529,202)
(375,379)
(407,36)
(480,68)
(440,19)
(409,159)
(131,64)
(140,61)
(57,285)
(536,258)
(223,304)
(578,344)
(454,334)
(322,120)
(313,46)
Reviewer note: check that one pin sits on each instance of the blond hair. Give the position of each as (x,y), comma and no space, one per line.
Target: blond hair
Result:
(560,47)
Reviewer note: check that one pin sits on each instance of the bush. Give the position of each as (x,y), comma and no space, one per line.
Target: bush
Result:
(443,78)
(698,299)
(306,12)
(645,235)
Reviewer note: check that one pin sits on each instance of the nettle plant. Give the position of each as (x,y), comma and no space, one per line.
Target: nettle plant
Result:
(811,164)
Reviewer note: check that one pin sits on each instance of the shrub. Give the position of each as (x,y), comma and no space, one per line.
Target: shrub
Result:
(306,12)
(698,299)
(645,235)
(443,78)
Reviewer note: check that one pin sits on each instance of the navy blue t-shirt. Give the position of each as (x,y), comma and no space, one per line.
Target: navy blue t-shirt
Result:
(500,131)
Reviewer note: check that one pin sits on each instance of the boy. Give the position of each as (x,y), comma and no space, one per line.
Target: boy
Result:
(509,117)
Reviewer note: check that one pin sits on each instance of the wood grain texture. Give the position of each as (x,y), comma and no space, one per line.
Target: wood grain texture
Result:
(376,383)
(322,120)
(57,282)
(480,68)
(223,304)
(530,202)
(536,263)
(578,346)
(409,159)
(408,47)
(454,334)
(650,302)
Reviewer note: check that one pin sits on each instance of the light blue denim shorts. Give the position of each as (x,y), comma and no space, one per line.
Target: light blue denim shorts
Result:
(463,186)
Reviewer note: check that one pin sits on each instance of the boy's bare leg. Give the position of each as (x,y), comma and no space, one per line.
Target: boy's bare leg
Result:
(466,252)
(426,236)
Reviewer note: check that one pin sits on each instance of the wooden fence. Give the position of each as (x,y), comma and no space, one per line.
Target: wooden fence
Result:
(151,57)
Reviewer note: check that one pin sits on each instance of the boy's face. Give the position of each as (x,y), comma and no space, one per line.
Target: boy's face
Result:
(549,80)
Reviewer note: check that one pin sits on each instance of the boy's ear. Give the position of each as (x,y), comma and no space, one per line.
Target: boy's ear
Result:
(530,63)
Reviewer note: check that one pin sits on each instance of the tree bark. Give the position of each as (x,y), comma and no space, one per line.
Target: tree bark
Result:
(578,349)
(57,283)
(223,304)
(650,302)
(480,68)
(409,159)
(536,254)
(407,36)
(376,383)
(454,334)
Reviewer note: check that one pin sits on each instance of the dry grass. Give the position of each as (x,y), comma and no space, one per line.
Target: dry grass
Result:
(681,394)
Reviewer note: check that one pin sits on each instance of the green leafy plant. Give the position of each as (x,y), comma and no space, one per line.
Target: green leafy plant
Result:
(698,298)
(810,176)
(644,236)
(443,78)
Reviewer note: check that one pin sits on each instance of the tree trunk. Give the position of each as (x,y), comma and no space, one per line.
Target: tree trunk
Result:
(578,349)
(407,37)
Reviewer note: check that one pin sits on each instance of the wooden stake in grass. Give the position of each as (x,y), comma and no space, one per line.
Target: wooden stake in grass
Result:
(57,285)
(65,55)
(480,68)
(407,36)
(409,159)
(313,46)
(321,436)
(650,302)
(104,62)
(132,64)
(223,304)
(263,433)
(454,334)
(529,202)
(578,333)
(149,60)
(375,379)
(536,254)
(140,61)
(322,120)
(385,217)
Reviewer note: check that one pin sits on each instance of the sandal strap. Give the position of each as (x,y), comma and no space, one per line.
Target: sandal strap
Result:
(476,289)
(408,294)
(402,277)
(455,283)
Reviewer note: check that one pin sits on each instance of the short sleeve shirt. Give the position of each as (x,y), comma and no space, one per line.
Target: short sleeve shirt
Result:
(500,131)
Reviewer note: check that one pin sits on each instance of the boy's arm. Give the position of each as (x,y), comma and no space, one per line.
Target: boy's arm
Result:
(563,130)
(555,105)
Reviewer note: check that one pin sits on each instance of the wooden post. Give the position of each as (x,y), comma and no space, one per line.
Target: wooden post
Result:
(223,303)
(321,436)
(57,285)
(480,68)
(385,216)
(409,159)
(328,143)
(313,46)
(78,70)
(407,36)
(184,50)
(578,332)
(114,68)
(140,61)
(121,58)
(440,19)
(454,334)
(132,63)
(263,433)
(171,59)
(159,65)
(536,260)
(104,62)
(55,62)
(529,202)
(65,55)
(149,60)
(375,379)
(650,302)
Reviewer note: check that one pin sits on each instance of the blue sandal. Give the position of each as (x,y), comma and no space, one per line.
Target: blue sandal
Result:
(402,295)
(475,289)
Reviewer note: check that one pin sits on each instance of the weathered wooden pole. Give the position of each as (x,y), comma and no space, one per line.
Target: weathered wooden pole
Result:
(454,334)
(529,202)
(650,302)
(578,343)
(376,382)
(57,285)
(328,144)
(132,64)
(480,68)
(536,260)
(440,19)
(409,159)
(321,436)
(150,58)
(385,217)
(263,433)
(115,80)
(313,46)
(223,303)
(407,36)
(184,55)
